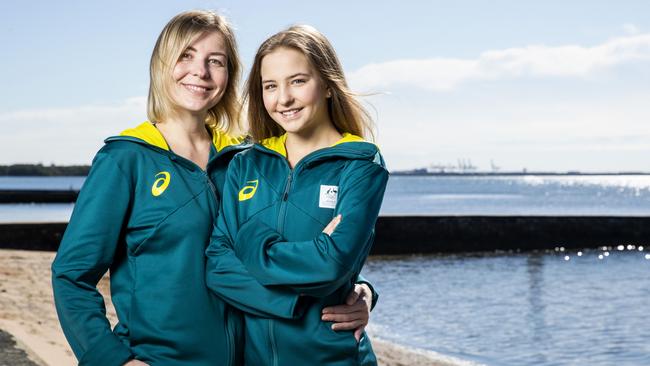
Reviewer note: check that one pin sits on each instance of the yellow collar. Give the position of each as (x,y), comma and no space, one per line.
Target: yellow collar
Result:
(277,143)
(148,133)
(348,137)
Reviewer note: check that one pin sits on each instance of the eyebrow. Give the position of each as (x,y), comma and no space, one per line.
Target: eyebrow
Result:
(190,48)
(290,77)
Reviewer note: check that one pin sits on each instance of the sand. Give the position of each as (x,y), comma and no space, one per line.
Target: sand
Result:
(27,312)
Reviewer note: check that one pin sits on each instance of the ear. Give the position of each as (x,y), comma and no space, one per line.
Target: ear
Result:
(328,93)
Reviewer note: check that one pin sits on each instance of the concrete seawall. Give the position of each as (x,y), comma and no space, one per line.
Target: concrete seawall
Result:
(434,234)
(440,234)
(37,196)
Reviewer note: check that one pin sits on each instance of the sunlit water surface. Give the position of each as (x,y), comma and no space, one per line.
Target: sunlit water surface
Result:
(608,195)
(554,308)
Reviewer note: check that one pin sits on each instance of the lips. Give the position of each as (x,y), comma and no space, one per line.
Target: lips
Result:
(290,112)
(196,88)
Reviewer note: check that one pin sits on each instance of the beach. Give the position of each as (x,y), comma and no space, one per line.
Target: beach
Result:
(28,315)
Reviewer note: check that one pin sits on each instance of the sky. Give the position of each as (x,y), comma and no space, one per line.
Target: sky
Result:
(543,86)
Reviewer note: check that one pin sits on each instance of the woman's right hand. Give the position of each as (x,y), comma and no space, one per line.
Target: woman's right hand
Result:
(329,229)
(135,363)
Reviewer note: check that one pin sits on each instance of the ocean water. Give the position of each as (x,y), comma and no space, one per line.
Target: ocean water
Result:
(38,212)
(610,195)
(53,183)
(543,308)
(519,309)
(617,195)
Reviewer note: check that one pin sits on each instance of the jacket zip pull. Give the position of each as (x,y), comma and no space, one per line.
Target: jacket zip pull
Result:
(212,187)
(210,184)
(285,196)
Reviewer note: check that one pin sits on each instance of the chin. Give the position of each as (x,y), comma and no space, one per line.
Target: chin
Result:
(290,128)
(198,107)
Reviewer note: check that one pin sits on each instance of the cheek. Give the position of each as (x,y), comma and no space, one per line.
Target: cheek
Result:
(221,78)
(317,99)
(269,102)
(313,95)
(178,72)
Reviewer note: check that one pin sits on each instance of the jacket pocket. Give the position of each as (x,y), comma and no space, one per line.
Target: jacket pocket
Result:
(341,345)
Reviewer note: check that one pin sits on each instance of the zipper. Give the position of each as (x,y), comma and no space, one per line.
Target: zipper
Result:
(283,204)
(213,192)
(274,351)
(211,185)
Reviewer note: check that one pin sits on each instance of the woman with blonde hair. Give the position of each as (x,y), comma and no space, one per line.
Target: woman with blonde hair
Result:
(299,208)
(146,212)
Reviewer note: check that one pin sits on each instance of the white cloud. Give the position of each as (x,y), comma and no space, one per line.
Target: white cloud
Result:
(441,74)
(561,134)
(65,135)
(630,28)
(73,113)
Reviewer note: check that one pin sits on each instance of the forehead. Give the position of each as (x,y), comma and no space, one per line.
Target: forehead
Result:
(284,62)
(209,41)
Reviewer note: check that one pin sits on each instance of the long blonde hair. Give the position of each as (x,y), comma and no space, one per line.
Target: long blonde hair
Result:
(178,34)
(346,113)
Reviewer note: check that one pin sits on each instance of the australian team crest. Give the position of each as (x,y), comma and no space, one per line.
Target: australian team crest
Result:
(328,196)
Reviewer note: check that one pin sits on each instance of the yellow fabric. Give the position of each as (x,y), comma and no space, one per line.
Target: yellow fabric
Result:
(147,132)
(276,143)
(348,137)
(221,140)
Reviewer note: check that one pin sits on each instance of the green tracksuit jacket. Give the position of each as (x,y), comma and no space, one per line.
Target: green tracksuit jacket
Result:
(147,214)
(270,229)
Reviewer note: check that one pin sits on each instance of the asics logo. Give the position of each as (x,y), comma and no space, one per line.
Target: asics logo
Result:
(249,190)
(160,184)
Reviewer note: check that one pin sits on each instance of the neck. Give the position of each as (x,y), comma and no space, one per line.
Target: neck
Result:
(298,145)
(184,130)
(188,138)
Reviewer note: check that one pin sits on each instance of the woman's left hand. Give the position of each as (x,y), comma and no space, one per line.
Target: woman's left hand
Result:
(354,314)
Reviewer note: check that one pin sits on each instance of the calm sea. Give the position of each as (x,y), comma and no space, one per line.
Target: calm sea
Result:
(546,308)
(617,195)
(542,309)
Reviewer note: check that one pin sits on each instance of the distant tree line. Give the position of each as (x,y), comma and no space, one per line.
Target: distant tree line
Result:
(39,170)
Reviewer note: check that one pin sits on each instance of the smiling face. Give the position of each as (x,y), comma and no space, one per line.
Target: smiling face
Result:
(200,75)
(293,93)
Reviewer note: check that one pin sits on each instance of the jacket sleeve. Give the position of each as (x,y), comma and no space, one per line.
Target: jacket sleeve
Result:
(375,294)
(85,254)
(320,266)
(227,277)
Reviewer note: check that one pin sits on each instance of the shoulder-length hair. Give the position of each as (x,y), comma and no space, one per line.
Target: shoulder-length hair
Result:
(174,39)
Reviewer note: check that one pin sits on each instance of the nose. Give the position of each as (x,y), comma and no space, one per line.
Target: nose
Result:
(199,69)
(285,98)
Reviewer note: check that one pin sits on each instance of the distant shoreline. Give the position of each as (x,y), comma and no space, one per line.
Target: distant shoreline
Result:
(39,170)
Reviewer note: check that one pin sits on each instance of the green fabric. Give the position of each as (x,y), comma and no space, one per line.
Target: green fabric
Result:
(154,246)
(107,351)
(269,233)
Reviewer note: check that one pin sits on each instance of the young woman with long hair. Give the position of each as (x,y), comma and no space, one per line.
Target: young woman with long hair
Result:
(299,208)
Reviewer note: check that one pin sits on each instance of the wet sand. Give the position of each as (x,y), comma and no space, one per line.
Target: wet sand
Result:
(27,313)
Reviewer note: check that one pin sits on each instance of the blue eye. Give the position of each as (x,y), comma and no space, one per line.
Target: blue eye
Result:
(215,61)
(298,81)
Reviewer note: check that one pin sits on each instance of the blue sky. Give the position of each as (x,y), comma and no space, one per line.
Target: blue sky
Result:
(551,85)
